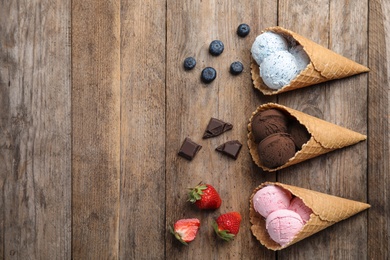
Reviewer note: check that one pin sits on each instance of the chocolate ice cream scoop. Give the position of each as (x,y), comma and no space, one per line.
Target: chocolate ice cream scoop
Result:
(299,134)
(268,122)
(276,149)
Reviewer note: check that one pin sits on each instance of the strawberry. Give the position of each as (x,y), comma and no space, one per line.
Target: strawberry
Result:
(204,196)
(227,225)
(185,229)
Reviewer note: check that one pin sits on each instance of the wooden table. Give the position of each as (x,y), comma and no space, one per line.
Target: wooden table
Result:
(95,104)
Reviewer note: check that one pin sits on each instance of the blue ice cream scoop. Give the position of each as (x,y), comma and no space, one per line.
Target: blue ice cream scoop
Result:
(278,69)
(266,44)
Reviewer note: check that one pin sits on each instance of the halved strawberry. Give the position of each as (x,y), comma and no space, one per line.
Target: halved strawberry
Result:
(185,230)
(204,196)
(227,225)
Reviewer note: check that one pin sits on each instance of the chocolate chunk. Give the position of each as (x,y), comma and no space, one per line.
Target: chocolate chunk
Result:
(189,149)
(216,127)
(230,148)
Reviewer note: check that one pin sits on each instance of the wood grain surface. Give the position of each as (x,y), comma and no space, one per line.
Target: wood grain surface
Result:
(35,130)
(142,208)
(95,104)
(378,130)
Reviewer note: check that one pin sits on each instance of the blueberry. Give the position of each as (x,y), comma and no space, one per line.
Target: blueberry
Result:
(236,68)
(243,30)
(189,63)
(208,74)
(216,47)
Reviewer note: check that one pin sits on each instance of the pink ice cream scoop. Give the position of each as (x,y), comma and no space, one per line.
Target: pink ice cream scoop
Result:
(271,198)
(282,225)
(299,207)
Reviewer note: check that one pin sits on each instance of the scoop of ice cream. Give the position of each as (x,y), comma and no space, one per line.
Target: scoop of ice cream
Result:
(299,207)
(268,122)
(301,57)
(278,69)
(299,133)
(282,225)
(271,198)
(268,127)
(267,43)
(276,149)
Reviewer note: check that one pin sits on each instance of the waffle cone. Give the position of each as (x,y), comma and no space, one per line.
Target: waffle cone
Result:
(327,210)
(324,65)
(325,137)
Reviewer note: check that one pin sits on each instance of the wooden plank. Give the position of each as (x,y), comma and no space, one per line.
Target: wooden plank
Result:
(35,128)
(310,174)
(378,142)
(343,102)
(347,107)
(191,26)
(95,128)
(142,209)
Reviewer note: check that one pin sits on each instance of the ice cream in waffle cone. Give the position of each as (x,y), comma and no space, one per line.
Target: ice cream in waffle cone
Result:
(324,137)
(324,65)
(327,210)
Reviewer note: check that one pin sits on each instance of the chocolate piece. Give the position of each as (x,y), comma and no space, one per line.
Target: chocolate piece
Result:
(230,148)
(216,127)
(189,149)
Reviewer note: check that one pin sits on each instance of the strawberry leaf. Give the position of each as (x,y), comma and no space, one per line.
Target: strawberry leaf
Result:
(224,234)
(196,192)
(177,236)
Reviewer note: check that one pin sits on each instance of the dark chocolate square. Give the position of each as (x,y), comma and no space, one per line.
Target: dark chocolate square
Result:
(216,127)
(189,149)
(230,148)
